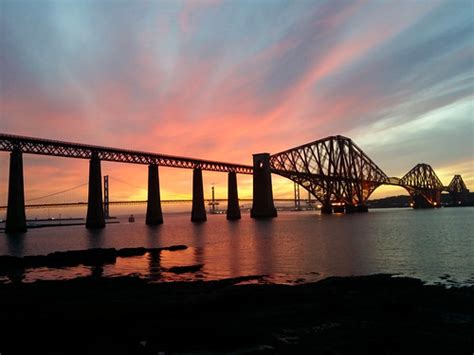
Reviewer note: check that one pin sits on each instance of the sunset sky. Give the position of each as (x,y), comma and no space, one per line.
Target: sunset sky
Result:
(222,80)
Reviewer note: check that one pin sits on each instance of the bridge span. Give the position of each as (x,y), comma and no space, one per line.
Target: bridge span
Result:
(334,170)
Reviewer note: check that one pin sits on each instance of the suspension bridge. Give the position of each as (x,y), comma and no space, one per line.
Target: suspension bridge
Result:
(334,170)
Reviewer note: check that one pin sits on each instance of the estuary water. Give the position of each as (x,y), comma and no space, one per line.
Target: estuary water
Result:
(434,245)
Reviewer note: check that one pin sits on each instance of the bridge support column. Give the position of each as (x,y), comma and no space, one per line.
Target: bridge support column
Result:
(326,208)
(198,213)
(233,210)
(95,212)
(154,216)
(421,202)
(339,209)
(16,217)
(362,208)
(351,208)
(262,206)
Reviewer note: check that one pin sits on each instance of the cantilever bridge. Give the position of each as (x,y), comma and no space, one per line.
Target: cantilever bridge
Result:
(334,170)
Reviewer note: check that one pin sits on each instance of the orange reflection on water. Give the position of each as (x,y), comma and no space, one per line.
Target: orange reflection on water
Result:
(178,258)
(66,273)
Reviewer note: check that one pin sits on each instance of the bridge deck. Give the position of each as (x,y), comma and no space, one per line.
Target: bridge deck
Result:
(49,147)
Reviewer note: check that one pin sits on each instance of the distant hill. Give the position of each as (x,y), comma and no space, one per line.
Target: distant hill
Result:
(404,201)
(390,202)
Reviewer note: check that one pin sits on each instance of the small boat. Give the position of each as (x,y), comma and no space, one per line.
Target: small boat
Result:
(131,219)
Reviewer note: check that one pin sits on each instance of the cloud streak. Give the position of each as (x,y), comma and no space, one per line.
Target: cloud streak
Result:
(224,79)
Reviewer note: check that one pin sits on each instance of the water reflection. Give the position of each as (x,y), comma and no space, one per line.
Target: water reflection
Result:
(199,242)
(234,248)
(95,238)
(154,266)
(153,234)
(16,244)
(294,245)
(263,235)
(154,258)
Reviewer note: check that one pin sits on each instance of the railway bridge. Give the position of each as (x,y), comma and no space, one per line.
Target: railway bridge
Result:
(334,170)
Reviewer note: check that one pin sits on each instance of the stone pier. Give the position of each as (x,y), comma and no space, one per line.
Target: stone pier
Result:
(16,217)
(198,213)
(362,208)
(154,215)
(326,208)
(95,212)
(262,206)
(233,209)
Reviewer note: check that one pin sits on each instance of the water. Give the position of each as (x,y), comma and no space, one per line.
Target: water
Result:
(434,245)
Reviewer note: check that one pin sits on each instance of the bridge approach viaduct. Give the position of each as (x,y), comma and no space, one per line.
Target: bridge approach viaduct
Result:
(334,170)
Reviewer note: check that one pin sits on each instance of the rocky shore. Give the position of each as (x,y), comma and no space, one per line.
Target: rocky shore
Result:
(377,314)
(88,257)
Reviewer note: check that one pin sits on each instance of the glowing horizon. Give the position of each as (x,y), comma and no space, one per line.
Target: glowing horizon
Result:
(221,80)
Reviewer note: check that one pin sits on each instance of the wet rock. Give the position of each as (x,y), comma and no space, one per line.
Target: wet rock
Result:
(88,257)
(352,315)
(124,252)
(184,269)
(175,247)
(8,263)
(35,260)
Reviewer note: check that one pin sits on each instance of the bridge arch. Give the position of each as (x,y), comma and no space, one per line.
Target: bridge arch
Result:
(390,190)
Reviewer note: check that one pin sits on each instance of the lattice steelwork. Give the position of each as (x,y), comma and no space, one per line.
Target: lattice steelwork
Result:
(422,176)
(458,191)
(457,185)
(422,180)
(333,169)
(75,150)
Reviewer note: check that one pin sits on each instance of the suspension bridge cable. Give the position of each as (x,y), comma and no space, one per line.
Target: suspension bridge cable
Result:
(124,182)
(56,193)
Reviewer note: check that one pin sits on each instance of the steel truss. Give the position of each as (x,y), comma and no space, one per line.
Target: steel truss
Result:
(457,185)
(423,181)
(82,151)
(458,190)
(333,169)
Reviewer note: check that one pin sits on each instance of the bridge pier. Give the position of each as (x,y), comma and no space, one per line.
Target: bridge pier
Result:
(154,215)
(262,206)
(95,212)
(362,208)
(421,202)
(233,209)
(351,208)
(16,217)
(338,209)
(326,208)
(457,198)
(198,213)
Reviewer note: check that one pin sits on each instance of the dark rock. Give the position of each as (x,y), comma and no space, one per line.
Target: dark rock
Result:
(131,252)
(88,257)
(35,260)
(8,263)
(175,247)
(183,269)
(352,315)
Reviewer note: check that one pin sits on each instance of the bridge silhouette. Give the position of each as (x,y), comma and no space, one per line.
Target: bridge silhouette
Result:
(334,170)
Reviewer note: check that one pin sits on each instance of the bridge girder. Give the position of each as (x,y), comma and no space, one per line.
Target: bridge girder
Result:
(50,147)
(333,169)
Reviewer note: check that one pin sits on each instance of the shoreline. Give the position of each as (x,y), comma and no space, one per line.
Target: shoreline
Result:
(337,315)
